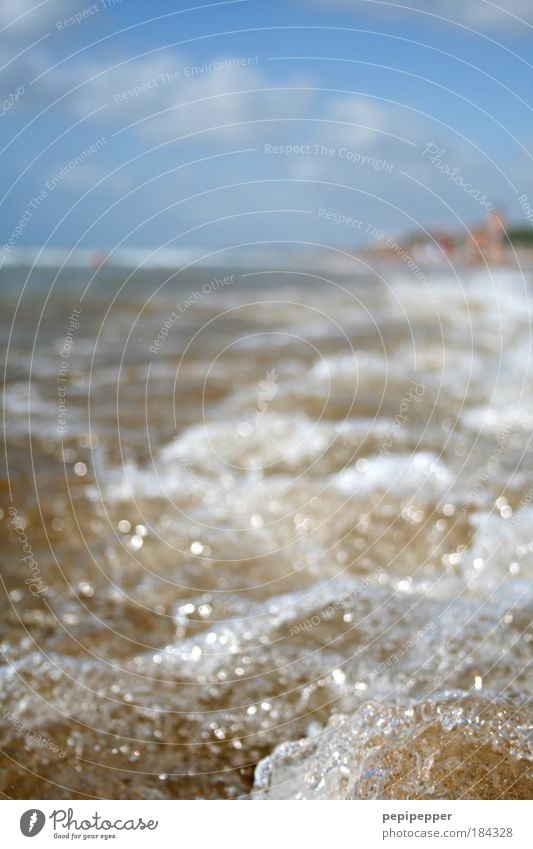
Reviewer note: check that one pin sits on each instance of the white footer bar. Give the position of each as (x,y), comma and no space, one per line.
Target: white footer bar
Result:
(265,825)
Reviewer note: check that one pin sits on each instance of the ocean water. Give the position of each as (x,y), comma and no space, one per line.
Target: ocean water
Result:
(267,533)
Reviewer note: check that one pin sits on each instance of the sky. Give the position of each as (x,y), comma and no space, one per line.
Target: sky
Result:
(219,124)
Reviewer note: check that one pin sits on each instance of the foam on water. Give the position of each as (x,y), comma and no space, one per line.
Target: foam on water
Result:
(299,538)
(454,746)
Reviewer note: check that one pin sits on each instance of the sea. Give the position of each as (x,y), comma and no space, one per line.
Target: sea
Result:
(267,528)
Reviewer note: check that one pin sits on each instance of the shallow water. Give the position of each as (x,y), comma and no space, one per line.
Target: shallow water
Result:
(304,515)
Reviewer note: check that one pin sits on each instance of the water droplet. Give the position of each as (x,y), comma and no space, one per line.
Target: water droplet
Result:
(338,676)
(245,429)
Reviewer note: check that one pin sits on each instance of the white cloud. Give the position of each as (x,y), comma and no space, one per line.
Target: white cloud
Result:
(27,18)
(475,13)
(166,96)
(358,119)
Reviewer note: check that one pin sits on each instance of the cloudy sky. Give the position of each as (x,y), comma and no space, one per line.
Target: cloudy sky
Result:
(176,123)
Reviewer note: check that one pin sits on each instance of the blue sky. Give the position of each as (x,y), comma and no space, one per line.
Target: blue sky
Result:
(184,101)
